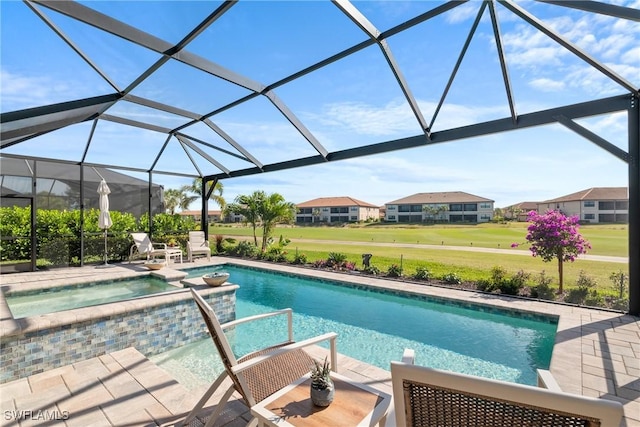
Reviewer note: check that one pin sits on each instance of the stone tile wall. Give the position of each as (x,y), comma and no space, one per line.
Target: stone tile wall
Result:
(151,325)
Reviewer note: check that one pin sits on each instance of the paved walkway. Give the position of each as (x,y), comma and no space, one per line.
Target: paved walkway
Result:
(511,251)
(597,353)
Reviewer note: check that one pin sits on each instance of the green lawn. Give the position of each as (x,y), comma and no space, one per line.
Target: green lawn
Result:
(606,240)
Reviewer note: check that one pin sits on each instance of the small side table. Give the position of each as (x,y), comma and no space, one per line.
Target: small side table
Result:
(174,253)
(354,404)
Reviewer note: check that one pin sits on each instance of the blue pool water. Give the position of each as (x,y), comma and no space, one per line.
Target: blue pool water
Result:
(376,327)
(32,303)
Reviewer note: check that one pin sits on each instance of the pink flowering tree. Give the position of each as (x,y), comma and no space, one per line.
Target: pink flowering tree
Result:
(554,235)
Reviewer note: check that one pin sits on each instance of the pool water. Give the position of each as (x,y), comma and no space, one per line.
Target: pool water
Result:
(32,303)
(374,327)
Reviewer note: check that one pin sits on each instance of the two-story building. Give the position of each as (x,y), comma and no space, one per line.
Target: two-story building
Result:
(451,206)
(336,209)
(598,204)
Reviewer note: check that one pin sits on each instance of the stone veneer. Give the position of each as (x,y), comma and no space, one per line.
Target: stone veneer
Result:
(151,324)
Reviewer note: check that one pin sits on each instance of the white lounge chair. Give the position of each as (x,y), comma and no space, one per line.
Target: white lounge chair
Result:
(259,374)
(142,246)
(430,397)
(197,245)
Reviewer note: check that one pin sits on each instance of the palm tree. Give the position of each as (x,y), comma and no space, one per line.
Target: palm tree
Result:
(177,199)
(248,207)
(260,208)
(216,194)
(274,209)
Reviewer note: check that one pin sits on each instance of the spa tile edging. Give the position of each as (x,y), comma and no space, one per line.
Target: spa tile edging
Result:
(151,324)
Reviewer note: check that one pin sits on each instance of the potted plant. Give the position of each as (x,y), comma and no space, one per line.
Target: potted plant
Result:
(322,388)
(172,242)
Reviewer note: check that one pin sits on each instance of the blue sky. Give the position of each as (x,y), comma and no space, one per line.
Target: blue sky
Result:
(349,103)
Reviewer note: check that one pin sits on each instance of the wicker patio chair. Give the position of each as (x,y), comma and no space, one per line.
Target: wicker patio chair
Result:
(197,245)
(259,374)
(430,397)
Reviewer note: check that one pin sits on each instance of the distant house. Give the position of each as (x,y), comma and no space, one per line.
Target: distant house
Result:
(599,204)
(336,209)
(453,206)
(520,210)
(212,216)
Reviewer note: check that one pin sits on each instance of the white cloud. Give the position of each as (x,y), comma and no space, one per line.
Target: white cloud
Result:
(547,85)
(22,91)
(462,13)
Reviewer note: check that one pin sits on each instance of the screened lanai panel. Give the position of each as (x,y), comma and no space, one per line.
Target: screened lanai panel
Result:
(169,21)
(289,36)
(141,113)
(263,130)
(38,67)
(352,101)
(186,87)
(124,145)
(121,61)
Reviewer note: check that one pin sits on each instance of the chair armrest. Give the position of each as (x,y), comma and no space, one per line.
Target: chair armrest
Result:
(546,380)
(409,356)
(330,336)
(161,245)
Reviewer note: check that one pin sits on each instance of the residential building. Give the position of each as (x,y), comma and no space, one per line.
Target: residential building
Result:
(452,206)
(519,211)
(336,209)
(596,205)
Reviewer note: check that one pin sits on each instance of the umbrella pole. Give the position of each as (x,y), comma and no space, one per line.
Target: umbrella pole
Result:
(105,246)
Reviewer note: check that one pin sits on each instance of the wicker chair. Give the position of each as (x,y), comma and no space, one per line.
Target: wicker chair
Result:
(257,375)
(429,397)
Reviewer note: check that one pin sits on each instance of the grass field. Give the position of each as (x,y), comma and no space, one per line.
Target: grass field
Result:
(609,240)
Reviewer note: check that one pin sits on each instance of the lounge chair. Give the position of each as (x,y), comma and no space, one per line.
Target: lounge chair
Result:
(259,374)
(197,245)
(142,246)
(429,397)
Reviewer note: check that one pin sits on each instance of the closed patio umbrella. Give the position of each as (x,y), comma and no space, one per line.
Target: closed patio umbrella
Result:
(104,220)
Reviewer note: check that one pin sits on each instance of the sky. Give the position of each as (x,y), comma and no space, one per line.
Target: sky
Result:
(352,102)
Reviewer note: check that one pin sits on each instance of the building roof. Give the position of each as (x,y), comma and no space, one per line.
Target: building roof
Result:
(595,193)
(335,201)
(525,206)
(442,197)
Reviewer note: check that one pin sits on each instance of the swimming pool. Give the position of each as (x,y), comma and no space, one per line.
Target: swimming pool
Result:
(51,300)
(376,327)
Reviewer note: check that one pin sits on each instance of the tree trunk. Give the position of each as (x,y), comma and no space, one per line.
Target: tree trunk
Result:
(560,264)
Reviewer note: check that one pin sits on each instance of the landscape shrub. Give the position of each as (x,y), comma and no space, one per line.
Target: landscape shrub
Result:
(336,260)
(452,279)
(299,258)
(422,273)
(244,249)
(394,271)
(543,289)
(584,292)
(372,269)
(514,284)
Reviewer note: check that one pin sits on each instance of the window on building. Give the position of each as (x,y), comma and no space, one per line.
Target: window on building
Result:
(607,206)
(470,207)
(392,217)
(622,218)
(606,218)
(471,218)
(416,208)
(455,207)
(392,208)
(404,208)
(589,204)
(354,209)
(622,205)
(455,218)
(485,217)
(353,218)
(485,205)
(589,216)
